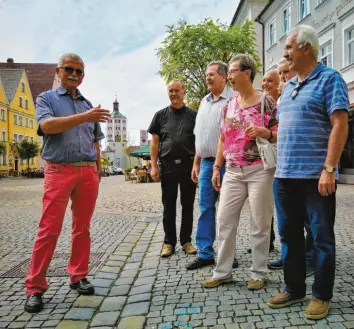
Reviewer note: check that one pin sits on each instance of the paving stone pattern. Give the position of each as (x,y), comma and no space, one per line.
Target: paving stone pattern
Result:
(135,289)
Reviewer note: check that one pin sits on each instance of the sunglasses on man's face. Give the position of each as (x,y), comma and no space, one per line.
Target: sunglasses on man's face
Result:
(71,70)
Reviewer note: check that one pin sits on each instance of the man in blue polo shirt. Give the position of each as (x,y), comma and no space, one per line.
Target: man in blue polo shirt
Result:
(71,129)
(313,128)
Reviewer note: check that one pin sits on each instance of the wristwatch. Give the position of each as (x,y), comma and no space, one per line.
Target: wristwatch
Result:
(329,168)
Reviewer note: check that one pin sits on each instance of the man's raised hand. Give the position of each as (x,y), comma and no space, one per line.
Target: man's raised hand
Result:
(97,114)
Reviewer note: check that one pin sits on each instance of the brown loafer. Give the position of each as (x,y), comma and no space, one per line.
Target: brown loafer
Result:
(212,282)
(284,299)
(256,284)
(317,309)
(189,249)
(167,250)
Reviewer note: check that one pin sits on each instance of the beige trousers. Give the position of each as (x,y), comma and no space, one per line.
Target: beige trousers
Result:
(239,183)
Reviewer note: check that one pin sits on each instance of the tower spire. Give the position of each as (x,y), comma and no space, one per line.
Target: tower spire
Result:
(115,106)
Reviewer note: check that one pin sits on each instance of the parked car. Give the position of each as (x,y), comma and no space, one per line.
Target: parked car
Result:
(115,170)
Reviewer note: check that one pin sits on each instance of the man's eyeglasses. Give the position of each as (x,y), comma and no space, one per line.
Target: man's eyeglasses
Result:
(71,70)
(233,71)
(296,90)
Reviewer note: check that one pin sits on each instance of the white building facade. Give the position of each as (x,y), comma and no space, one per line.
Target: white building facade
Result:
(249,10)
(334,23)
(117,138)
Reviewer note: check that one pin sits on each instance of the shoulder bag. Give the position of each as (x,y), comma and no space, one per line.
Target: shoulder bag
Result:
(266,149)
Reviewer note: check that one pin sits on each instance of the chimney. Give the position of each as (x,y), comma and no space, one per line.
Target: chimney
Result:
(10,61)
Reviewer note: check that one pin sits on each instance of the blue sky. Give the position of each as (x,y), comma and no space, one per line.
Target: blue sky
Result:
(117,40)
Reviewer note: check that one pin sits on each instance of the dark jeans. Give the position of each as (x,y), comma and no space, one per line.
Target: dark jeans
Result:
(172,175)
(296,200)
(310,253)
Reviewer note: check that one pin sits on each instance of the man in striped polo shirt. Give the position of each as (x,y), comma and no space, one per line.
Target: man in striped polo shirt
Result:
(285,75)
(313,128)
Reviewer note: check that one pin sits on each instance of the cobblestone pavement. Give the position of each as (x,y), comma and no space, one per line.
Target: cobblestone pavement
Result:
(135,289)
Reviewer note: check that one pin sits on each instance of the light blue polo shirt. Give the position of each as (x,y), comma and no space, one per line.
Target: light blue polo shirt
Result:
(75,144)
(304,123)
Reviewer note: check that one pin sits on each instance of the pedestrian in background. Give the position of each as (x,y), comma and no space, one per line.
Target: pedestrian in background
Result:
(270,84)
(173,144)
(71,133)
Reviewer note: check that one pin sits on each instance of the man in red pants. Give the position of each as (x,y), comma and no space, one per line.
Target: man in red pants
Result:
(71,130)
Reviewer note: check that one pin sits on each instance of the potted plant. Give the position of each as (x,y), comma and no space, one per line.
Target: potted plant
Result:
(126,173)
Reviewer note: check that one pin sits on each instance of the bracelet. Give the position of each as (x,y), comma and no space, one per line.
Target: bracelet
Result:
(271,135)
(216,167)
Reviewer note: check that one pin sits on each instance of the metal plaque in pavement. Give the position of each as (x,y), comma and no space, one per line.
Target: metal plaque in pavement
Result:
(57,266)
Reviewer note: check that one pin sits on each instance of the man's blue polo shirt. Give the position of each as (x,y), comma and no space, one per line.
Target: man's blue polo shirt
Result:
(76,144)
(304,122)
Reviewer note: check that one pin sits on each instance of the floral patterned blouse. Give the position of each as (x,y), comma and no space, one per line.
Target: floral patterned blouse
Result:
(239,149)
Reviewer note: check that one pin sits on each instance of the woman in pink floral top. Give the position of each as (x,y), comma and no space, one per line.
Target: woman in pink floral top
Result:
(239,148)
(245,176)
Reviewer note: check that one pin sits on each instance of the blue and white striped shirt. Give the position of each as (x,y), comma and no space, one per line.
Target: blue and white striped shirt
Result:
(207,124)
(304,123)
(76,144)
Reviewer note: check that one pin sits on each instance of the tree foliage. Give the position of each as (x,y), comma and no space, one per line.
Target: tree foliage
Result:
(105,162)
(187,49)
(27,150)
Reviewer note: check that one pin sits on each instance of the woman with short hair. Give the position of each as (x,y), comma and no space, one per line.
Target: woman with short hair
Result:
(245,176)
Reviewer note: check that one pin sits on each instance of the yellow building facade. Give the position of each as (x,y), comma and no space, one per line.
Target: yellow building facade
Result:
(4,129)
(20,120)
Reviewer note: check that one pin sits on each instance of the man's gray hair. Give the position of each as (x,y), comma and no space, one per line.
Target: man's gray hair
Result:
(223,68)
(307,35)
(67,56)
(247,62)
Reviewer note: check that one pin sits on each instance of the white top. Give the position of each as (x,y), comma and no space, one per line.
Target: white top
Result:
(207,125)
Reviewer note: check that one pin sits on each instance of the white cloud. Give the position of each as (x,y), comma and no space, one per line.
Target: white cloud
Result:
(117,40)
(141,92)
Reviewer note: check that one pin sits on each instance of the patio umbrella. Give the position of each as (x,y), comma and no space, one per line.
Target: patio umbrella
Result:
(143,152)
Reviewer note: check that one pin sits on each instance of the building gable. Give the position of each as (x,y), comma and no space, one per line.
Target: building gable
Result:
(41,76)
(3,98)
(17,90)
(11,80)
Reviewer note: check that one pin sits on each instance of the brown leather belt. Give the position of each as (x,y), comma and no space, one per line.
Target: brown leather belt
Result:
(75,164)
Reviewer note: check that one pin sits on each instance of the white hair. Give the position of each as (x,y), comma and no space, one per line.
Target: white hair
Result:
(282,61)
(307,35)
(71,56)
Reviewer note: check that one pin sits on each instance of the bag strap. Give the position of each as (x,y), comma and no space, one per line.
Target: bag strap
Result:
(262,107)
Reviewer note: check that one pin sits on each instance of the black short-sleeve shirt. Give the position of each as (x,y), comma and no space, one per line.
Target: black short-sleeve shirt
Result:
(175,129)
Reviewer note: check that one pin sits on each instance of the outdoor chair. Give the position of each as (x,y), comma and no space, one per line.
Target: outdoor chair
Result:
(143,176)
(132,178)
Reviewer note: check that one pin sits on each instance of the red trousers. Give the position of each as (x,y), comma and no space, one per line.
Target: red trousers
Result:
(62,182)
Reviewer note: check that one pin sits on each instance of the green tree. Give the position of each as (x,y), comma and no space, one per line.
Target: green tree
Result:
(27,150)
(105,162)
(187,49)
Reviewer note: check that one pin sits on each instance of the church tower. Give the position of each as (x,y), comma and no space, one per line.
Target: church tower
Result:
(117,137)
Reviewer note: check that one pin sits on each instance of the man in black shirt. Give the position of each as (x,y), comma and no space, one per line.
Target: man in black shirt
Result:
(173,143)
